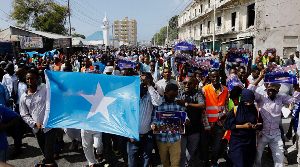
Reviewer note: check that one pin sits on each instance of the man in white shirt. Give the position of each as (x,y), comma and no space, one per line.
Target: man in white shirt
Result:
(161,84)
(254,75)
(149,98)
(10,77)
(32,110)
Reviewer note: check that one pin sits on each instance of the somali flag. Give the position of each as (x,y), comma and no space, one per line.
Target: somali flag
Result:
(98,102)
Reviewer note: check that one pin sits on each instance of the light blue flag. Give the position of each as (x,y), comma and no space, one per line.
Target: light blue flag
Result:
(98,102)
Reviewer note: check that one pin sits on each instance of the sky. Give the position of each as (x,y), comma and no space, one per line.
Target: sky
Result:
(87,15)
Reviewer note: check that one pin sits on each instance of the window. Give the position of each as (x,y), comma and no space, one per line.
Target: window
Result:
(200,29)
(208,27)
(201,7)
(208,2)
(195,12)
(219,21)
(233,17)
(251,15)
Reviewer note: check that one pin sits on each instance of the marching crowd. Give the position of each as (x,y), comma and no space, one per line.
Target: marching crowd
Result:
(230,109)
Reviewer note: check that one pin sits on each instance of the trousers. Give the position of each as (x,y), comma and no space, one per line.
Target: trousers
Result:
(91,140)
(275,143)
(188,146)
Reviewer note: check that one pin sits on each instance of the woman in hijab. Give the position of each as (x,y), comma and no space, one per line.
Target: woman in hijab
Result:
(243,124)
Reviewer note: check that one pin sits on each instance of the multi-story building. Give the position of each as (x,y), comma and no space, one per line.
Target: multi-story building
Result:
(126,31)
(260,23)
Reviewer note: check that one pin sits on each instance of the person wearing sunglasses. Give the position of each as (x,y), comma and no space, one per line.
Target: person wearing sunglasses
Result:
(193,102)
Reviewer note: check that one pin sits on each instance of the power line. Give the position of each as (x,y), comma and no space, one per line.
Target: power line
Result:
(82,12)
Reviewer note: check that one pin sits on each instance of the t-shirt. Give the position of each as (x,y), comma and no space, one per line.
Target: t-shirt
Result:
(6,115)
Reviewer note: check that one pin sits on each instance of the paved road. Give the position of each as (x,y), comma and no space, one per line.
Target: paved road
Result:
(32,154)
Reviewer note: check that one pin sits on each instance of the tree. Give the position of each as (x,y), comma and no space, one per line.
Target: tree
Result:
(162,35)
(173,28)
(42,15)
(78,35)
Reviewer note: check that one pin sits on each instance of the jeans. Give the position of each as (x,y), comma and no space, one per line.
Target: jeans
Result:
(91,139)
(140,151)
(3,155)
(188,146)
(46,143)
(276,145)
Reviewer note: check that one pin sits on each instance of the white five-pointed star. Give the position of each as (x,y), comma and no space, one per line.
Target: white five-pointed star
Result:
(99,103)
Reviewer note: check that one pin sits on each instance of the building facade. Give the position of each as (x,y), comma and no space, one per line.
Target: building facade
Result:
(126,31)
(259,24)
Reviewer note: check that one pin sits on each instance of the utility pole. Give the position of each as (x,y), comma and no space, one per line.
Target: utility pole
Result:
(167,31)
(154,39)
(214,25)
(112,31)
(69,17)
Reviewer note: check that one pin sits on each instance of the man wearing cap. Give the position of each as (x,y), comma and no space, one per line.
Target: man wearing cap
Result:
(10,77)
(270,106)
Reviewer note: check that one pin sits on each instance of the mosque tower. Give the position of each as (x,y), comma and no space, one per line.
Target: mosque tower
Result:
(106,28)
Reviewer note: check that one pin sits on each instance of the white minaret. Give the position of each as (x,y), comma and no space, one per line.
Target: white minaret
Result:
(105,28)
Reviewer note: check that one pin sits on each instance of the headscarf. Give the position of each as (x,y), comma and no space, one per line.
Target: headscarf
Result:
(247,112)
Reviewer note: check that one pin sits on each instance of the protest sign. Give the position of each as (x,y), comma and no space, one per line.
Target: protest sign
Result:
(281,74)
(170,122)
(126,62)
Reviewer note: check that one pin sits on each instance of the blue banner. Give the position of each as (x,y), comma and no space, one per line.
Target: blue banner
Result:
(281,74)
(184,46)
(98,102)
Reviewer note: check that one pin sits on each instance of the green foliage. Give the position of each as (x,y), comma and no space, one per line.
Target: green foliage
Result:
(160,37)
(42,15)
(78,35)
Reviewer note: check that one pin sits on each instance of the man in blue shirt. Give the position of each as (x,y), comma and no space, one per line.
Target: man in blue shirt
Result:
(7,119)
(169,144)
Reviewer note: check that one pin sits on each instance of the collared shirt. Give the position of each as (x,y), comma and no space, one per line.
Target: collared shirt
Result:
(165,106)
(208,125)
(194,97)
(8,81)
(152,98)
(33,107)
(161,85)
(270,110)
(22,87)
(4,94)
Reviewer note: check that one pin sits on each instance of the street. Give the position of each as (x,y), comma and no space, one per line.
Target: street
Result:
(75,158)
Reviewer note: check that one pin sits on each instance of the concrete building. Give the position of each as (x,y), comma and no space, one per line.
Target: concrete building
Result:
(258,24)
(126,31)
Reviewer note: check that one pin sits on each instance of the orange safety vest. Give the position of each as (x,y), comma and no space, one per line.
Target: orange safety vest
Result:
(214,104)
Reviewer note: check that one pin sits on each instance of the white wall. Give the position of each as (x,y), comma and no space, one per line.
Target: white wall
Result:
(276,19)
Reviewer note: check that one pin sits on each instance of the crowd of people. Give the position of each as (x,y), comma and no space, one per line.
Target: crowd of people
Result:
(238,121)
